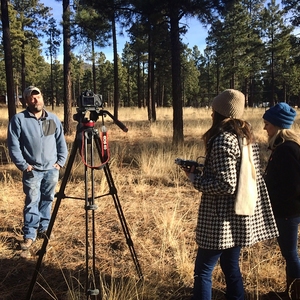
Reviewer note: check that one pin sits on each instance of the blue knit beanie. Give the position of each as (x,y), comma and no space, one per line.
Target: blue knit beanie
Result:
(280,115)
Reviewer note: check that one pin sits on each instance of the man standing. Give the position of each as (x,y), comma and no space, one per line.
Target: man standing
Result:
(38,148)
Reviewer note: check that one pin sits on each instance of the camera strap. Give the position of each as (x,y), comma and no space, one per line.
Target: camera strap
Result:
(104,149)
(104,145)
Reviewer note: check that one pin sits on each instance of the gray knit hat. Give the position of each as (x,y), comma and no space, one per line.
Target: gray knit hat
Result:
(230,104)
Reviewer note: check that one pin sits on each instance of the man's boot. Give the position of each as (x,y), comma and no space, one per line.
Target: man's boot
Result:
(277,296)
(294,288)
(280,295)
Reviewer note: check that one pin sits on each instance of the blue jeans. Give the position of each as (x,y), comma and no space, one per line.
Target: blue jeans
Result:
(39,191)
(288,243)
(229,262)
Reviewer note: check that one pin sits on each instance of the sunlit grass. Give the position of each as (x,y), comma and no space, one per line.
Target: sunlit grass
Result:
(160,208)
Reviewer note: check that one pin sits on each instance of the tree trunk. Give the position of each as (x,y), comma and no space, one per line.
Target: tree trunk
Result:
(67,68)
(247,92)
(23,81)
(176,79)
(51,79)
(272,99)
(94,68)
(8,60)
(153,109)
(139,82)
(150,70)
(116,69)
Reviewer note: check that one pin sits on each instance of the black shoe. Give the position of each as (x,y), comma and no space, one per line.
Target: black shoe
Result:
(277,296)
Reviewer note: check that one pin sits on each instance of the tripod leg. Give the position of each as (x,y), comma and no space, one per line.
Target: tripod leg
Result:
(113,192)
(119,209)
(60,195)
(90,208)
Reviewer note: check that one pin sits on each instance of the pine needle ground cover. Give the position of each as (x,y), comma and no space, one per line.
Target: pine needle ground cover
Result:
(160,207)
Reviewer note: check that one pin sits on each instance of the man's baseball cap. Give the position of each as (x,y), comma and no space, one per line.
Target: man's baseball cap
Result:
(28,91)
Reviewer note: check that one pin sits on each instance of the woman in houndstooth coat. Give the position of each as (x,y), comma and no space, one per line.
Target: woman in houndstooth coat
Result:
(221,232)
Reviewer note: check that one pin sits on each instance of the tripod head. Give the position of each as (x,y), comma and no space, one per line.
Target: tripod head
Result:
(86,133)
(95,112)
(92,103)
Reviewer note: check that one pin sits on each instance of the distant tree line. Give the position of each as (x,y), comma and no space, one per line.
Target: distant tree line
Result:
(252,45)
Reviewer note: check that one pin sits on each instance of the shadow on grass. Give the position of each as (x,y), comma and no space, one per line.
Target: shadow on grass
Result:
(52,283)
(16,276)
(63,284)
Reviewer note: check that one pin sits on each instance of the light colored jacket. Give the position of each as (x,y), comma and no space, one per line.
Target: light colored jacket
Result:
(218,226)
(40,143)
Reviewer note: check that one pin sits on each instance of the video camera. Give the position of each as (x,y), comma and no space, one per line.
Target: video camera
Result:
(188,164)
(89,101)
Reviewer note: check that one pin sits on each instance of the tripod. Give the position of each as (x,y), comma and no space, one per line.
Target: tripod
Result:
(86,137)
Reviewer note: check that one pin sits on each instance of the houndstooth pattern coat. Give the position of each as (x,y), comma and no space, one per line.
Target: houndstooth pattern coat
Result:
(218,226)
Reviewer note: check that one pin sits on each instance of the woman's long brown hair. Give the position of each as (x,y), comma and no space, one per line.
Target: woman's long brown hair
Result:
(221,124)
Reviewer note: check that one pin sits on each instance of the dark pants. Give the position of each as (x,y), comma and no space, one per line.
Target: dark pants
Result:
(229,262)
(288,243)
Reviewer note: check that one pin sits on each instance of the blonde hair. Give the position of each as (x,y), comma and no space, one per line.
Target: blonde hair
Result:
(284,135)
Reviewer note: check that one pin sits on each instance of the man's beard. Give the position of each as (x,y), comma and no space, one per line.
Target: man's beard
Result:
(36,108)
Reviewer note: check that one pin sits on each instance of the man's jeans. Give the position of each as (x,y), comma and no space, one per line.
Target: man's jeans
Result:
(229,262)
(39,191)
(288,243)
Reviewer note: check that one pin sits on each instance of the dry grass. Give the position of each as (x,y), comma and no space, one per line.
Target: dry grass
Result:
(160,208)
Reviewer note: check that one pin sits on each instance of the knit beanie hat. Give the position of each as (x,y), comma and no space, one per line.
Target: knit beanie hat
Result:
(280,115)
(230,104)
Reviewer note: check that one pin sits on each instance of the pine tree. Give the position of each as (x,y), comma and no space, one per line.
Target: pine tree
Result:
(276,37)
(32,17)
(8,59)
(53,42)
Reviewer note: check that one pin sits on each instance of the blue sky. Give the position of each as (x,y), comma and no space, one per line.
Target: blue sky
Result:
(195,36)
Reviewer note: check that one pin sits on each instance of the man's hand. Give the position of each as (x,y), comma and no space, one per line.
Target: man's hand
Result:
(29,168)
(56,166)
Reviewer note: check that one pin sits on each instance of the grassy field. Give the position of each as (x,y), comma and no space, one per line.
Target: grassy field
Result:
(160,207)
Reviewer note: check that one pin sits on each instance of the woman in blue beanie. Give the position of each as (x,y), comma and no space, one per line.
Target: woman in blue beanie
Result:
(282,178)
